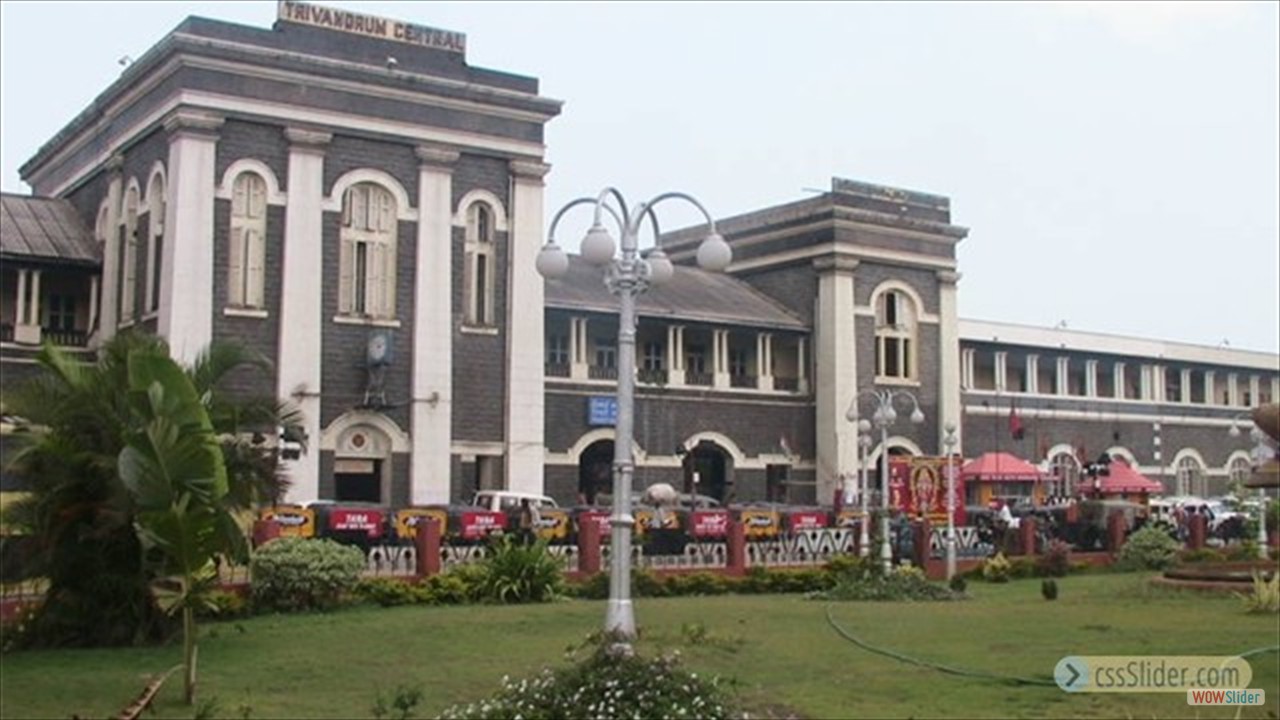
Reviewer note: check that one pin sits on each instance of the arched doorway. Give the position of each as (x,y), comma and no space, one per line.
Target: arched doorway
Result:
(361,465)
(595,471)
(711,471)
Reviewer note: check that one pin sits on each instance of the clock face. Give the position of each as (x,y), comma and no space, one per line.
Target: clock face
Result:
(377,348)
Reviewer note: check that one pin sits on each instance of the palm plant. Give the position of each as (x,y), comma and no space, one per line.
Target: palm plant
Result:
(81,512)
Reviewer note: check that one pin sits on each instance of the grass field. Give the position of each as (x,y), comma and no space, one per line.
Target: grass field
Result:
(780,649)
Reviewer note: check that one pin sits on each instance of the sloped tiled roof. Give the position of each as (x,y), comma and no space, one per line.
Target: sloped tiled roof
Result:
(692,294)
(36,228)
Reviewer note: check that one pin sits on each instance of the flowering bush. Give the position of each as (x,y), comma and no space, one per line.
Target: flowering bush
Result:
(608,684)
(303,574)
(996,569)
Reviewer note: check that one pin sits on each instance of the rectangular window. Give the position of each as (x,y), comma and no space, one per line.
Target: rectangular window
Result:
(361,278)
(653,356)
(482,289)
(695,359)
(62,313)
(737,362)
(606,356)
(157,254)
(558,350)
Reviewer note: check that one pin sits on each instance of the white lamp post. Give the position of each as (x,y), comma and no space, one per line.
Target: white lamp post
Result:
(949,442)
(626,276)
(1260,454)
(864,443)
(884,416)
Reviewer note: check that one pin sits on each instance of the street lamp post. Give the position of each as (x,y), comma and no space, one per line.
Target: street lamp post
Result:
(884,416)
(1259,455)
(864,443)
(626,276)
(949,442)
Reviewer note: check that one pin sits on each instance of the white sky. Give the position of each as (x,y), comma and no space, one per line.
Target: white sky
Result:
(1117,164)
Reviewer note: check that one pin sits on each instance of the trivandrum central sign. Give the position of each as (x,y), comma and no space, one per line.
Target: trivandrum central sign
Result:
(371,26)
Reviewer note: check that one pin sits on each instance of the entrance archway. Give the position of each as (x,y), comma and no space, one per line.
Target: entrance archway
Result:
(595,471)
(711,471)
(361,465)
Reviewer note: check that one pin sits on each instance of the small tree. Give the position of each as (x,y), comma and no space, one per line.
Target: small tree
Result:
(173,468)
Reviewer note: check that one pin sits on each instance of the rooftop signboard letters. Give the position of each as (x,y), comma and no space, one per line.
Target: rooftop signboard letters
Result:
(371,26)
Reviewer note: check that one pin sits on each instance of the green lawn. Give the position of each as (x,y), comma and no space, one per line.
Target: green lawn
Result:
(780,649)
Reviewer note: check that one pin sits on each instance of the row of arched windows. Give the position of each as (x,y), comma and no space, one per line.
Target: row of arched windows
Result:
(134,205)
(1190,474)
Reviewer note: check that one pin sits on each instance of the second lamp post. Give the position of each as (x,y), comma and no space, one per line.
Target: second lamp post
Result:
(882,417)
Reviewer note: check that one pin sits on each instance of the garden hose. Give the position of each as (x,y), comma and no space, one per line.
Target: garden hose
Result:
(1012,679)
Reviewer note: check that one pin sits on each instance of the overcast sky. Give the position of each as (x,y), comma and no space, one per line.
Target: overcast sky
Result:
(1117,164)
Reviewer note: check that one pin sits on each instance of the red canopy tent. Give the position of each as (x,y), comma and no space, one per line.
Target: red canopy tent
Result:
(1124,480)
(1000,467)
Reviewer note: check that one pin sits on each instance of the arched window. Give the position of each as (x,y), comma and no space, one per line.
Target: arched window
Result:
(1064,473)
(247,241)
(1190,477)
(156,207)
(367,255)
(1238,471)
(129,256)
(895,336)
(478,294)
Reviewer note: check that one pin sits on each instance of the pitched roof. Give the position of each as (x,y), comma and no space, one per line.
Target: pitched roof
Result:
(999,467)
(37,228)
(1124,479)
(692,294)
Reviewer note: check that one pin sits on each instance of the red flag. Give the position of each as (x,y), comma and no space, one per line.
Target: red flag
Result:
(1015,423)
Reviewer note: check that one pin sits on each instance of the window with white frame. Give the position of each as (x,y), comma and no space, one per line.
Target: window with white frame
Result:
(1190,477)
(653,357)
(479,271)
(606,356)
(1064,474)
(129,257)
(248,241)
(895,336)
(155,239)
(367,253)
(1239,470)
(558,350)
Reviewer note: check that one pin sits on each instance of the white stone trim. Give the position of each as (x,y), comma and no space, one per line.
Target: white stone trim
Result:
(525,333)
(481,195)
(245,312)
(226,188)
(352,419)
(186,290)
(1124,452)
(405,210)
(894,441)
(1099,415)
(157,168)
(1060,448)
(739,457)
(1078,341)
(1187,452)
(1236,455)
(862,252)
(362,320)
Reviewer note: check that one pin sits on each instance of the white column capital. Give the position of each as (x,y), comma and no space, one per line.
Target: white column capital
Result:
(529,171)
(436,157)
(948,277)
(839,263)
(190,121)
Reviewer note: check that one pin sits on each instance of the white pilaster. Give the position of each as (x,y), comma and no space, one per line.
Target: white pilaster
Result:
(525,319)
(1033,374)
(764,361)
(1002,371)
(186,286)
(1255,383)
(949,406)
(1184,387)
(1209,389)
(1062,377)
(802,366)
(1091,378)
(301,298)
(1118,381)
(432,420)
(1233,390)
(1144,383)
(110,302)
(578,364)
(720,358)
(93,304)
(675,356)
(836,372)
(21,317)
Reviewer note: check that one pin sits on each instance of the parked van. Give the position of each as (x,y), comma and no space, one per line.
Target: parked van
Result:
(506,500)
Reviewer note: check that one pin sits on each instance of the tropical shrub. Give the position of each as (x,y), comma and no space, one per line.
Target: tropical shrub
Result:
(1265,596)
(520,572)
(291,574)
(903,583)
(609,683)
(1148,549)
(387,592)
(996,569)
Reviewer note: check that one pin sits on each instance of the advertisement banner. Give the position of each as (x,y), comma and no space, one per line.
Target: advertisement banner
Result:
(370,521)
(759,523)
(709,523)
(407,521)
(554,525)
(798,520)
(918,486)
(479,524)
(848,518)
(294,520)
(644,520)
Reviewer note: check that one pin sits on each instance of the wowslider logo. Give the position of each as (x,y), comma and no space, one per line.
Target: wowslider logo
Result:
(1126,673)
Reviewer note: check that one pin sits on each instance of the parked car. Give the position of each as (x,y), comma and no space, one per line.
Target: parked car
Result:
(505,500)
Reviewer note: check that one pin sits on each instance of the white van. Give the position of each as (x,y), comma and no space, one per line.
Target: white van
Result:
(504,500)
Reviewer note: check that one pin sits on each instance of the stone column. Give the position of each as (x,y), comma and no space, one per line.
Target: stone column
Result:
(1209,389)
(764,361)
(93,305)
(432,417)
(1091,378)
(1255,383)
(675,356)
(802,366)
(836,371)
(301,300)
(1233,390)
(1033,374)
(525,335)
(1118,381)
(1062,377)
(720,358)
(578,362)
(1184,387)
(948,358)
(1001,380)
(186,290)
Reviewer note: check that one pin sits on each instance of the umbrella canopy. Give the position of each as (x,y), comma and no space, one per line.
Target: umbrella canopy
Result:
(1124,479)
(999,467)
